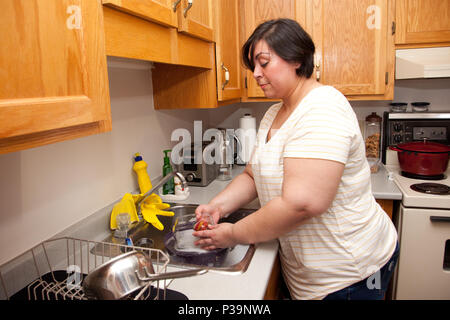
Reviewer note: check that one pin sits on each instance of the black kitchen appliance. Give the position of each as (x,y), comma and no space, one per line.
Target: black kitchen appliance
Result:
(413,126)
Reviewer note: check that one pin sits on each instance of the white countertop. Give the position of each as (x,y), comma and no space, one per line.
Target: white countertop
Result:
(250,285)
(383,187)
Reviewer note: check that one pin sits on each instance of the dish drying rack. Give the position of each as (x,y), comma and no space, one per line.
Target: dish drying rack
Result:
(55,269)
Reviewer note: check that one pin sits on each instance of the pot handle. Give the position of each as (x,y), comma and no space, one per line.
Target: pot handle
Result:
(395,148)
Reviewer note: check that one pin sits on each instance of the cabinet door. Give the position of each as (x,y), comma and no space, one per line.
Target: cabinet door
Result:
(352,45)
(422,21)
(258,11)
(159,11)
(387,205)
(227,50)
(53,72)
(196,19)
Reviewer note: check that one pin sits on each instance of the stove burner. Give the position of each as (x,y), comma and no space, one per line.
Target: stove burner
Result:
(422,177)
(431,188)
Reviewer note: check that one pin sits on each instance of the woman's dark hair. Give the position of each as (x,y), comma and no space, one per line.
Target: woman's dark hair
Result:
(289,41)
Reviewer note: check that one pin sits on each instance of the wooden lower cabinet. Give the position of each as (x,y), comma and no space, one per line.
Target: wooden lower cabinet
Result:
(273,291)
(387,205)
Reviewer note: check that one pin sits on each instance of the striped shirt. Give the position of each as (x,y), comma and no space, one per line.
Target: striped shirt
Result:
(354,238)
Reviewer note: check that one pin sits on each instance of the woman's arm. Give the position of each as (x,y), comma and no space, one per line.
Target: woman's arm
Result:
(309,187)
(238,193)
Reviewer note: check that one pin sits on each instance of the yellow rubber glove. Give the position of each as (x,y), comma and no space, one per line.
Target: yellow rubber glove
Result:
(151,208)
(153,198)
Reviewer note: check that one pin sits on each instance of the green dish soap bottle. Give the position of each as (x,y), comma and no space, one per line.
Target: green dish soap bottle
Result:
(169,186)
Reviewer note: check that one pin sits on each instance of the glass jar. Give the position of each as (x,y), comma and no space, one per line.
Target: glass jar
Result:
(372,138)
(225,172)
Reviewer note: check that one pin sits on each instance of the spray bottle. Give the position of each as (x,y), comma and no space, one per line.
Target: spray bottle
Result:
(140,167)
(168,187)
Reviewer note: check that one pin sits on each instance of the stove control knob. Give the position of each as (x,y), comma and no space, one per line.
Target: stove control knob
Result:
(397,138)
(397,127)
(190,177)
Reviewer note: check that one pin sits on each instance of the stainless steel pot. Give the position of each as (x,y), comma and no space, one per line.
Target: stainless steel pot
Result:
(125,274)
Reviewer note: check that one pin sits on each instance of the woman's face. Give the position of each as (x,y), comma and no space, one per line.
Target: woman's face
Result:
(276,77)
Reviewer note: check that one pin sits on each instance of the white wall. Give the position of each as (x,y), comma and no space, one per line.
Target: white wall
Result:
(228,116)
(46,189)
(435,91)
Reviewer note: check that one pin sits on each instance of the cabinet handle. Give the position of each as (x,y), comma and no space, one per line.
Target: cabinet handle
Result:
(439,219)
(190,2)
(175,5)
(227,76)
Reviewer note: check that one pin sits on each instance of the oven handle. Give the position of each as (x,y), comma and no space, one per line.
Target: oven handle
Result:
(439,219)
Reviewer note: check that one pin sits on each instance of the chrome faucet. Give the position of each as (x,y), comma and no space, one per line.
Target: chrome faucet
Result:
(159,184)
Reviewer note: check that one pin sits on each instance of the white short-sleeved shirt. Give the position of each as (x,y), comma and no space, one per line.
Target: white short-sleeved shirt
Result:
(354,238)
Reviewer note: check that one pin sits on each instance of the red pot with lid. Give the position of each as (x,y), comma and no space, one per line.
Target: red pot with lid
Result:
(422,157)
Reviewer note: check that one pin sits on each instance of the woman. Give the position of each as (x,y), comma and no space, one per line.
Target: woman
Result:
(312,179)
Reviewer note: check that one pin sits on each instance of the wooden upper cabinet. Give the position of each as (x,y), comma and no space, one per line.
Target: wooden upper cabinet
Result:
(354,46)
(158,11)
(258,11)
(228,62)
(182,87)
(422,22)
(53,73)
(166,31)
(195,17)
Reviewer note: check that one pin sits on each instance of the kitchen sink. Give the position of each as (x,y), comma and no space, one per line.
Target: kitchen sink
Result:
(143,234)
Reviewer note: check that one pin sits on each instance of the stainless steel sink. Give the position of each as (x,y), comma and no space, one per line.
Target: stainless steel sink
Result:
(234,260)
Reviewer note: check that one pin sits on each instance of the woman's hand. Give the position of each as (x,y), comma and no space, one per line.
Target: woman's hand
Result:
(218,236)
(210,210)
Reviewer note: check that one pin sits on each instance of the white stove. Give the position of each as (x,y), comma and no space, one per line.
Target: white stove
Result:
(423,225)
(411,198)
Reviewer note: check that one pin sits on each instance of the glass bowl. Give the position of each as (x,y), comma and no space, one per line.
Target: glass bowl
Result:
(398,106)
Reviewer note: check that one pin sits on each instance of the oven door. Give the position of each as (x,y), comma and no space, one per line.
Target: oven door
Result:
(424,263)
